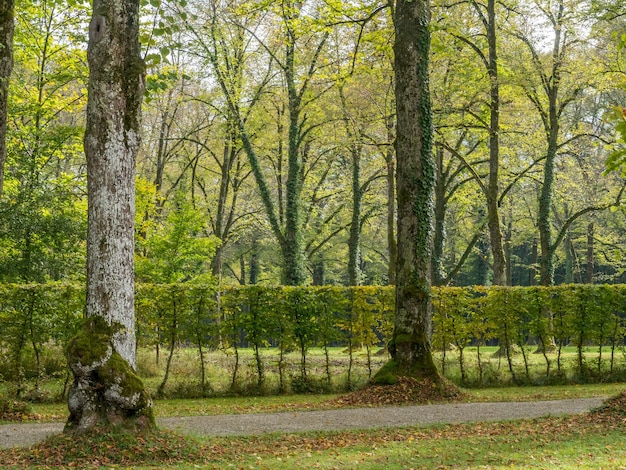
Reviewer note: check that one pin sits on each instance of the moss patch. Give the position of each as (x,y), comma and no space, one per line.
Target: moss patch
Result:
(106,390)
(92,343)
(387,375)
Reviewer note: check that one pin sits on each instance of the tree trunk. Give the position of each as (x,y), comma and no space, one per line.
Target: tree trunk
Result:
(410,346)
(590,257)
(438,276)
(508,237)
(354,239)
(319,271)
(534,258)
(293,251)
(551,124)
(255,269)
(391,208)
(493,216)
(6,67)
(106,389)
(546,271)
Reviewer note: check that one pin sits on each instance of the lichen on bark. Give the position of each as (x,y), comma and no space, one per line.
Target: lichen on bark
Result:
(106,391)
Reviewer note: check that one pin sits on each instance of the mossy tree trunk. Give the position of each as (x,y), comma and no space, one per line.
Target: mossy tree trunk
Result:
(7,8)
(410,347)
(106,391)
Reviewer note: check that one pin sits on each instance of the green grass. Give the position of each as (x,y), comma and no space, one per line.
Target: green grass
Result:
(547,443)
(184,376)
(568,451)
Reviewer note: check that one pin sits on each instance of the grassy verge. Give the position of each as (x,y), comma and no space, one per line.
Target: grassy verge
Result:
(541,444)
(564,443)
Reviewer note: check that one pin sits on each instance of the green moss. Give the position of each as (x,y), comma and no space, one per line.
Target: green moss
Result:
(387,375)
(117,370)
(402,338)
(92,342)
(110,389)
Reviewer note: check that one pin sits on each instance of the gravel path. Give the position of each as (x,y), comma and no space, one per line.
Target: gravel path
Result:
(15,435)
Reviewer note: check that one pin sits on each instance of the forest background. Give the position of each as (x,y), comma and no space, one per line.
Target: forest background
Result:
(268,153)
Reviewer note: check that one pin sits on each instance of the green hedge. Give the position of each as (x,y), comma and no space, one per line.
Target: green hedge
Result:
(37,321)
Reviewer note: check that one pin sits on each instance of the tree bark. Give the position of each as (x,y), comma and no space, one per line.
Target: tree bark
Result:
(590,255)
(552,128)
(493,216)
(410,346)
(294,271)
(391,207)
(7,8)
(354,239)
(438,276)
(106,389)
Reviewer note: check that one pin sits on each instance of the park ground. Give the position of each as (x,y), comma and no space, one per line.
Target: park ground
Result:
(581,440)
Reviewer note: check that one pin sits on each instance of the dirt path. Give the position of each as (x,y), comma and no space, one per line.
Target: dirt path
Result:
(16,435)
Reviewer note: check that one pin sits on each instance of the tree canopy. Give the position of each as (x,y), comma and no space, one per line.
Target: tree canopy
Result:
(268,138)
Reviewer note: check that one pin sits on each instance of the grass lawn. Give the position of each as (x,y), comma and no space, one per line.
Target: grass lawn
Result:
(548,443)
(545,444)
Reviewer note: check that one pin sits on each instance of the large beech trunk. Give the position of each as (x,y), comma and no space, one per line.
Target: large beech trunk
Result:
(102,357)
(410,346)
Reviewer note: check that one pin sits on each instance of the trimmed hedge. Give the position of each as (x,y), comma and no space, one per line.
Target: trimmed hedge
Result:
(36,321)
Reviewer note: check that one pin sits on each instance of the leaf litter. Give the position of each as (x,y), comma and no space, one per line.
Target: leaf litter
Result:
(164,447)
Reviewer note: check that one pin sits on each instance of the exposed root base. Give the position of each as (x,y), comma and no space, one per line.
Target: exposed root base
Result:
(514,349)
(106,391)
(407,390)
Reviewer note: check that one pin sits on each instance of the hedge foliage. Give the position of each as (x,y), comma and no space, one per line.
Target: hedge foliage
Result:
(38,319)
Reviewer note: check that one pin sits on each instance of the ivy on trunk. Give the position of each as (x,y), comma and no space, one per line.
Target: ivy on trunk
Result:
(410,346)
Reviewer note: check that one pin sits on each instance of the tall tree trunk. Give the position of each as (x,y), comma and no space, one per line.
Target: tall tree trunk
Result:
(508,238)
(354,239)
(319,271)
(439,236)
(590,256)
(569,259)
(106,389)
(410,346)
(255,269)
(493,216)
(292,248)
(534,258)
(551,125)
(6,67)
(391,207)
(544,221)
(220,222)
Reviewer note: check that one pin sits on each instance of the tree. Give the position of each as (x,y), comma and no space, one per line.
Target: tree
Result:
(42,214)
(106,389)
(551,86)
(410,346)
(6,66)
